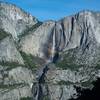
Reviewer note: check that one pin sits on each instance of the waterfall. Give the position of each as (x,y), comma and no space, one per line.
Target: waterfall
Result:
(39,86)
(39,92)
(53,45)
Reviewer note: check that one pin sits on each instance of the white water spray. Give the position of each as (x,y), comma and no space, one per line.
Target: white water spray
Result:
(41,79)
(53,45)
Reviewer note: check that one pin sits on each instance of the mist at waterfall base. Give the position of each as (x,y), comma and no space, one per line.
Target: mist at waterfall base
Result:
(87,94)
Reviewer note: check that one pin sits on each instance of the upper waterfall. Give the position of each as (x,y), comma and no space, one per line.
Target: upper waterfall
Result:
(53,45)
(77,31)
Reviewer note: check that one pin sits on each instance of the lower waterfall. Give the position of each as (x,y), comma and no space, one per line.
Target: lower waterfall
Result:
(39,87)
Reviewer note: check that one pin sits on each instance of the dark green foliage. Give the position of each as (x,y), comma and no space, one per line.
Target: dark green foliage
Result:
(10,65)
(26,98)
(64,64)
(97,66)
(68,61)
(2,86)
(62,82)
(31,61)
(46,98)
(3,34)
(86,84)
(33,28)
(28,60)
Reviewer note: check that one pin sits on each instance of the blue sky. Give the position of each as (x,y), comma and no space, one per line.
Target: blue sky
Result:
(55,9)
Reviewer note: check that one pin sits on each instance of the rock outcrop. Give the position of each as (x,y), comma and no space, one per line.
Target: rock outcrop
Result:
(9,52)
(38,42)
(15,83)
(14,20)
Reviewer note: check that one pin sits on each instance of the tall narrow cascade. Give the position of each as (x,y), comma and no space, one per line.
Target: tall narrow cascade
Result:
(53,45)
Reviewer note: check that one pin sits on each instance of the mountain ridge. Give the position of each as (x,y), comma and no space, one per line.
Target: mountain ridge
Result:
(17,21)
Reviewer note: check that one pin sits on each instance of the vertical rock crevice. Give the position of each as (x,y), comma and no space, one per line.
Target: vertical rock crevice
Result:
(40,89)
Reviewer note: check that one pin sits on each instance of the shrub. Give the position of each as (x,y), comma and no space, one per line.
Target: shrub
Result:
(66,65)
(12,86)
(62,82)
(26,98)
(10,65)
(33,28)
(3,34)
(31,61)
(28,60)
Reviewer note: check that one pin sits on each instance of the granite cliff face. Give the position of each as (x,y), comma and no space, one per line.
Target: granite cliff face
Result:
(14,20)
(47,60)
(80,31)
